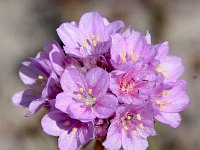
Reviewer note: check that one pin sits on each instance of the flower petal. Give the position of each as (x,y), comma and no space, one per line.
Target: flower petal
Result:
(113,140)
(172,119)
(71,37)
(176,99)
(67,141)
(92,24)
(99,80)
(162,50)
(80,112)
(134,142)
(105,106)
(24,98)
(172,67)
(63,100)
(57,58)
(35,106)
(113,27)
(118,47)
(30,70)
(49,123)
(72,79)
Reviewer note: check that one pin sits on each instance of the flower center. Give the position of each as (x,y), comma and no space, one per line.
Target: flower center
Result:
(93,42)
(129,122)
(87,98)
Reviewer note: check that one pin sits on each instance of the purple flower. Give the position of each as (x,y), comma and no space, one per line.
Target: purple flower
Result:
(136,84)
(90,36)
(170,66)
(130,46)
(170,102)
(39,74)
(72,133)
(85,96)
(104,84)
(130,128)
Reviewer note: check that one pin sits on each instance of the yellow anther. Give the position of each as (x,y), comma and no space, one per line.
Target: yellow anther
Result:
(41,77)
(164,71)
(123,54)
(131,52)
(141,126)
(81,89)
(134,132)
(165,93)
(93,37)
(37,92)
(79,96)
(85,42)
(97,38)
(126,128)
(138,117)
(166,102)
(67,123)
(158,68)
(123,60)
(74,129)
(89,91)
(94,42)
(94,98)
(129,117)
(158,102)
(135,58)
(86,103)
(162,106)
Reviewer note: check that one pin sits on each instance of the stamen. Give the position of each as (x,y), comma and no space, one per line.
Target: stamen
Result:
(166,102)
(138,117)
(134,132)
(85,44)
(40,77)
(162,106)
(74,129)
(158,68)
(163,71)
(81,89)
(126,128)
(94,42)
(67,123)
(131,52)
(165,93)
(37,92)
(79,96)
(93,37)
(89,91)
(135,58)
(141,126)
(158,102)
(86,103)
(129,117)
(97,38)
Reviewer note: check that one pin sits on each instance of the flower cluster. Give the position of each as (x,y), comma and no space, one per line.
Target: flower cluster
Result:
(104,83)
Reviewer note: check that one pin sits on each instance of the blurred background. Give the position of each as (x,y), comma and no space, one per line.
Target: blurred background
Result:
(25,25)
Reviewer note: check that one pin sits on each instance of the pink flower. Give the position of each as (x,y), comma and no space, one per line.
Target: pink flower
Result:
(85,96)
(90,36)
(131,127)
(72,133)
(136,84)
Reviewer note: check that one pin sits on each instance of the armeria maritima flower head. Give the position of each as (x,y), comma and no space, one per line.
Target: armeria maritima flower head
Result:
(105,84)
